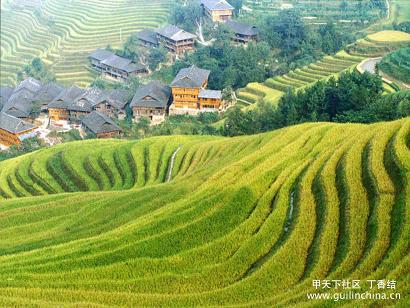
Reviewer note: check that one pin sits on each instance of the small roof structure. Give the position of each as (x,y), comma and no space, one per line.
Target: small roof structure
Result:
(217,5)
(242,28)
(191,77)
(99,123)
(153,94)
(66,98)
(148,36)
(100,54)
(214,94)
(174,33)
(14,125)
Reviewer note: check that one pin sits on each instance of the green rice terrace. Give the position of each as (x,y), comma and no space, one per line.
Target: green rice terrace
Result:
(63,33)
(374,45)
(206,221)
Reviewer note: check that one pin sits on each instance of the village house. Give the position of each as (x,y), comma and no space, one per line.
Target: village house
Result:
(242,33)
(58,108)
(100,125)
(217,10)
(116,67)
(46,94)
(175,39)
(147,38)
(152,102)
(113,104)
(14,130)
(185,90)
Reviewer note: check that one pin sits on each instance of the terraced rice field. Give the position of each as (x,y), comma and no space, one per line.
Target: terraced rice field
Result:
(316,11)
(374,45)
(247,221)
(397,65)
(63,33)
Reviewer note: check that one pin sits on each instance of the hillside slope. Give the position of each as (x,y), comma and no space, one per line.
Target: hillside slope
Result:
(243,221)
(63,33)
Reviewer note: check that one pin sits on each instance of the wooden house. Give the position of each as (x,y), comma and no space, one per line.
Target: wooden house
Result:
(175,39)
(115,66)
(210,100)
(100,125)
(217,10)
(185,90)
(5,93)
(241,32)
(14,130)
(151,101)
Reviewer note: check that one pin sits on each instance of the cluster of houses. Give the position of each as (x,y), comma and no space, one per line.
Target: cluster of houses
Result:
(174,39)
(96,109)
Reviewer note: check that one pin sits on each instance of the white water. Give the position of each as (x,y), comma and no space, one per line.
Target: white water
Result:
(171,165)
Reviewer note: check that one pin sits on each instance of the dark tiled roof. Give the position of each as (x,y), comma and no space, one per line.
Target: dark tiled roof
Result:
(191,77)
(87,100)
(148,36)
(174,33)
(13,125)
(19,104)
(117,98)
(48,92)
(99,123)
(217,5)
(66,97)
(122,64)
(30,84)
(216,94)
(241,28)
(101,54)
(154,94)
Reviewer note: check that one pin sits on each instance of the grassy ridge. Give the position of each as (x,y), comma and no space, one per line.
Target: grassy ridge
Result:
(246,220)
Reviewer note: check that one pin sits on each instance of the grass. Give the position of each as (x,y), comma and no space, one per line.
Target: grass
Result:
(244,221)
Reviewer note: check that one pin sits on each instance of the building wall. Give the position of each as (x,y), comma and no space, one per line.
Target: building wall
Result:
(185,97)
(108,135)
(8,139)
(219,15)
(57,114)
(156,115)
(209,103)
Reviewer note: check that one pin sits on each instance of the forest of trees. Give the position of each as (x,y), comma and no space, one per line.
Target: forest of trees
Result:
(354,97)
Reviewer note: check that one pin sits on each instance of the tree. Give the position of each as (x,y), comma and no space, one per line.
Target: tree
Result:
(291,29)
(38,70)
